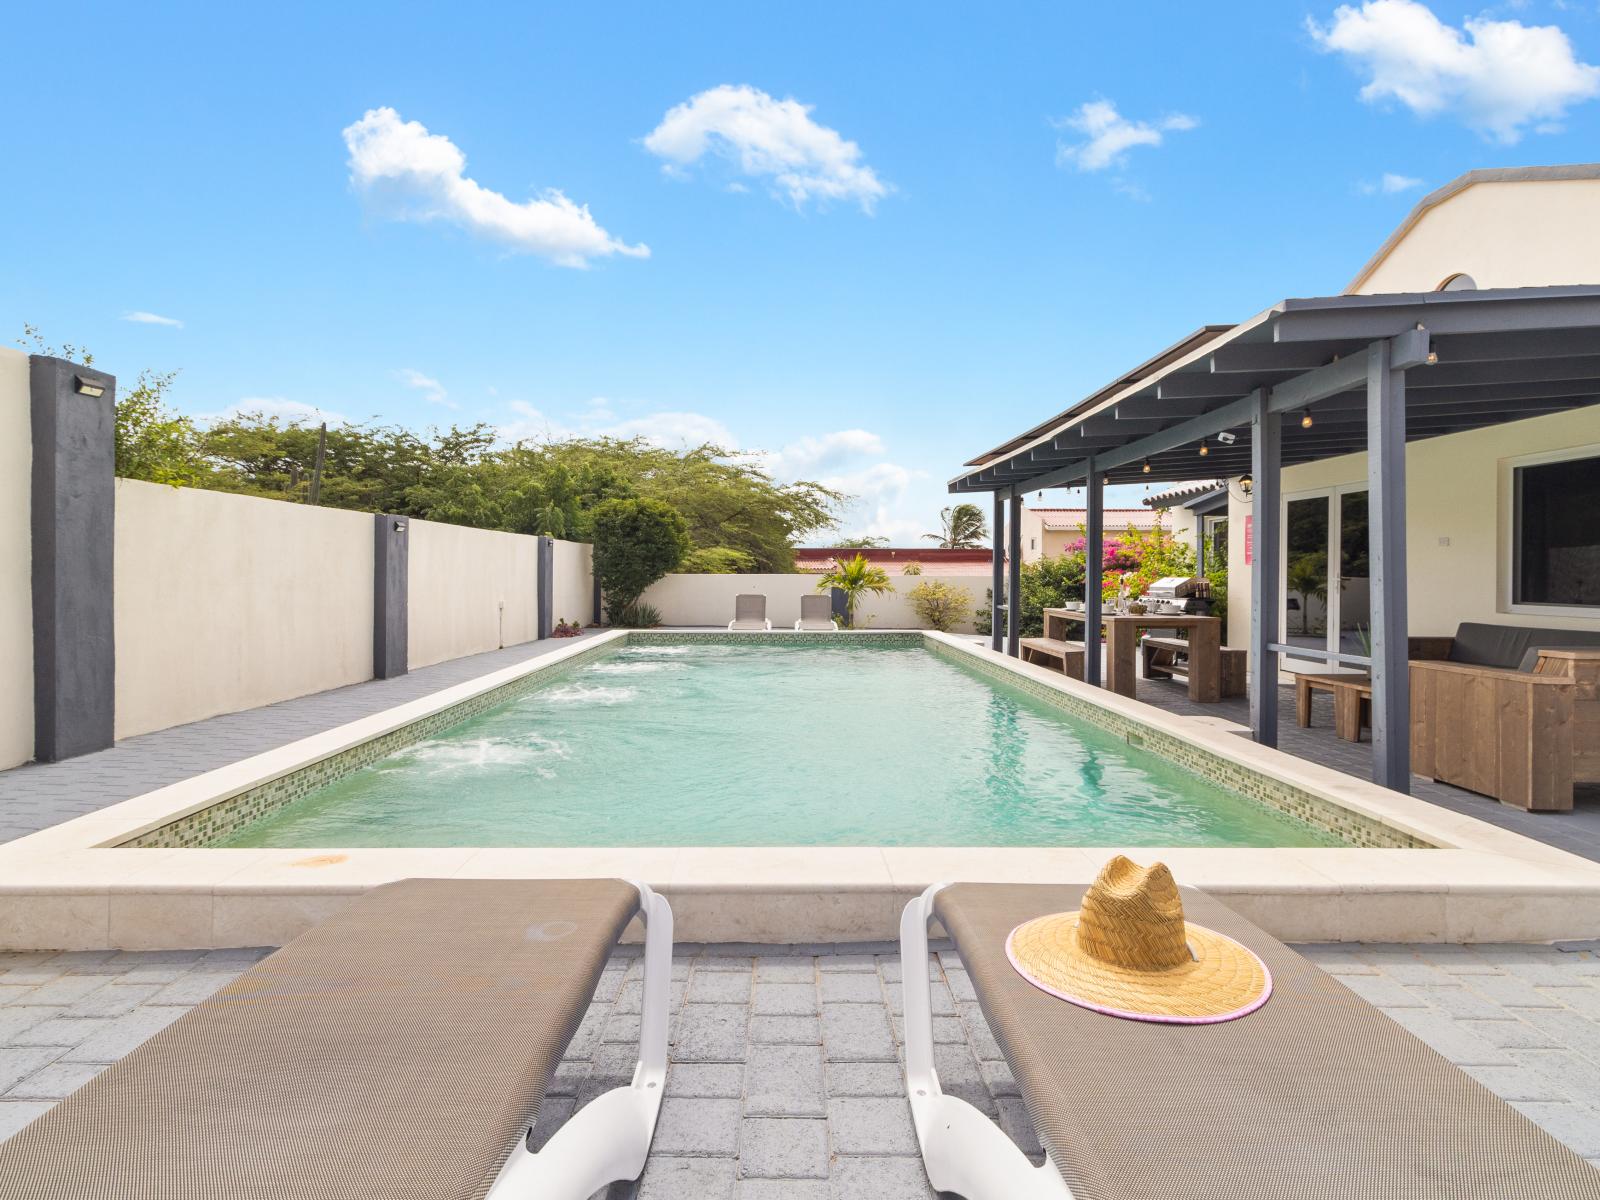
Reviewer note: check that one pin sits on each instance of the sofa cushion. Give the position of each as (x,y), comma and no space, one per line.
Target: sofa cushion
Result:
(1508,646)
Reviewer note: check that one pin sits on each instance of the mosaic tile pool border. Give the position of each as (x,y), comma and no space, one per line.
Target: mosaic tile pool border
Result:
(216,822)
(1353,828)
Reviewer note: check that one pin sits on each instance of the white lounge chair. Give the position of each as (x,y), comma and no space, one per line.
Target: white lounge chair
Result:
(400,1049)
(816,613)
(750,612)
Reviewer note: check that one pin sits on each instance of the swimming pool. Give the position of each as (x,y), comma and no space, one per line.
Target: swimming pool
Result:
(774,743)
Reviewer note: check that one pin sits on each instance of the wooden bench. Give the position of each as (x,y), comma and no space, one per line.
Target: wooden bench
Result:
(1352,701)
(1051,651)
(1168,658)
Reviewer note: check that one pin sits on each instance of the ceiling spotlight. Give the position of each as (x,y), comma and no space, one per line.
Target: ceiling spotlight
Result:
(1305,419)
(1204,449)
(1227,437)
(1146,467)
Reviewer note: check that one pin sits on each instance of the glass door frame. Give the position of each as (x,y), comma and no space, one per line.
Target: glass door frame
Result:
(1288,662)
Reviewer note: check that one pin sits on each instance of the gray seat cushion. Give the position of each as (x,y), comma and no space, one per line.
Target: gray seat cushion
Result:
(1509,646)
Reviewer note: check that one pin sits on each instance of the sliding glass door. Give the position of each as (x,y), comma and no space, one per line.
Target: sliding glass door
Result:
(1326,591)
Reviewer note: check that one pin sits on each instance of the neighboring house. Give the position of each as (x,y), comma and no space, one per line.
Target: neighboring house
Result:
(1504,521)
(895,559)
(1199,508)
(1047,532)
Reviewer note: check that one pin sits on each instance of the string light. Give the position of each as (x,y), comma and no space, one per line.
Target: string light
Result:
(1204,449)
(1146,466)
(1305,419)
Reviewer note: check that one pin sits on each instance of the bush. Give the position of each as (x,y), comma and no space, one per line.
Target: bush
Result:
(717,560)
(636,542)
(565,629)
(639,615)
(940,605)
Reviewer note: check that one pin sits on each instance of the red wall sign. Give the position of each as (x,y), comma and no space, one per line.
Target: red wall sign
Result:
(1249,540)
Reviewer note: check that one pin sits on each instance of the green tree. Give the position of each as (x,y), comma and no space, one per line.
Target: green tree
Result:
(856,578)
(940,605)
(863,542)
(636,542)
(963,528)
(717,560)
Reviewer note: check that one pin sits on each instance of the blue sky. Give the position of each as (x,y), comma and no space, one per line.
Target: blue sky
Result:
(869,239)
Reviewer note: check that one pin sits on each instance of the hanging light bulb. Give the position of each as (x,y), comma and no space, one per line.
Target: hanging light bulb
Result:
(1305,419)
(1204,449)
(1105,480)
(1146,466)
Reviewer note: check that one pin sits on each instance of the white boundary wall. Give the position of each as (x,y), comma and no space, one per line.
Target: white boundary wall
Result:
(16,562)
(708,599)
(572,589)
(469,590)
(227,602)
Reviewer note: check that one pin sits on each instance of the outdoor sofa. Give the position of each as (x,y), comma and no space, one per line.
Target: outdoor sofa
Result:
(1508,711)
(1316,1095)
(399,1050)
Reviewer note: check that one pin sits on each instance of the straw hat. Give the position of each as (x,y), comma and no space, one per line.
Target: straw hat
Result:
(1128,952)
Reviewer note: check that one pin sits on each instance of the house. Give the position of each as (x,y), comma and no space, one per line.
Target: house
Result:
(923,560)
(1048,532)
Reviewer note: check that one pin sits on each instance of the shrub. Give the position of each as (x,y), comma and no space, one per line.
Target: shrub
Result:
(717,560)
(639,615)
(636,542)
(855,577)
(911,568)
(941,605)
(566,629)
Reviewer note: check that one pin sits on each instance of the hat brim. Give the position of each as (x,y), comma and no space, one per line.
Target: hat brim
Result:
(1225,981)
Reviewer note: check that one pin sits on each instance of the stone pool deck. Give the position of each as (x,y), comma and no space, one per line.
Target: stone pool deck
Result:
(785,1078)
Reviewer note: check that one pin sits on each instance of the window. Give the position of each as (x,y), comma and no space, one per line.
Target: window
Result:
(1556,537)
(1033,543)
(1459,282)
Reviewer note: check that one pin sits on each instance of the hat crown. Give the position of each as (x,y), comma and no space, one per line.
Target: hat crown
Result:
(1132,917)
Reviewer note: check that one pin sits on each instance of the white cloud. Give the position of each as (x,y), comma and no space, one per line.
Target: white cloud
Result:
(763,136)
(1498,77)
(1389,184)
(150,318)
(881,492)
(417,175)
(286,410)
(432,390)
(1110,135)
(812,453)
(678,430)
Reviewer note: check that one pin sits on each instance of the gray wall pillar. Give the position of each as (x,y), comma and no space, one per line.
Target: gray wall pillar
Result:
(546,558)
(390,581)
(599,608)
(1266,577)
(1094,557)
(74,536)
(1386,506)
(1014,576)
(838,607)
(997,588)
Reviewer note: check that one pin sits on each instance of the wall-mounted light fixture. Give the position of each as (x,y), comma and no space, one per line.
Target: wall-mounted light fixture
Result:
(1227,437)
(85,386)
(399,526)
(1247,484)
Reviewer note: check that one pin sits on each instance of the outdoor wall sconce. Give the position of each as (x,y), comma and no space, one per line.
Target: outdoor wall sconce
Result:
(399,526)
(1246,485)
(85,386)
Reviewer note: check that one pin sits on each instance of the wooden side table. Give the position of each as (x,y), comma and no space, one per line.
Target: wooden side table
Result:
(1352,698)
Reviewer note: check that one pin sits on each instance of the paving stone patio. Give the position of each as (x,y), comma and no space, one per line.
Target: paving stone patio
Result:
(785,1078)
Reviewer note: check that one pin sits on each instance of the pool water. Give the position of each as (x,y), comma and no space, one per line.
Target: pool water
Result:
(775,745)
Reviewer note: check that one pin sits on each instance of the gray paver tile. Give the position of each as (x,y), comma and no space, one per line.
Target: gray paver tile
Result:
(786,999)
(785,970)
(1459,1002)
(691,1125)
(719,987)
(687,1179)
(871,1126)
(711,1032)
(14,1114)
(61,1031)
(553,1114)
(124,1034)
(1508,1032)
(1382,991)
(723,1081)
(1019,1128)
(1460,1046)
(979,1034)
(1516,1083)
(782,1189)
(113,999)
(959,1076)
(880,1179)
(1572,1077)
(1564,1028)
(14,1022)
(857,1033)
(851,987)
(1509,990)
(1577,1126)
(784,1081)
(865,1079)
(65,989)
(193,987)
(806,1031)
(723,962)
(55,1082)
(19,1062)
(783,1148)
(830,963)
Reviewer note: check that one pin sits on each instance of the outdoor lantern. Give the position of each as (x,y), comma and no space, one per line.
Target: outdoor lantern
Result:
(1246,484)
(85,386)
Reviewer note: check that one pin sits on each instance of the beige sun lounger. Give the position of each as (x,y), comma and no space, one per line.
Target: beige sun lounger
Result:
(816,613)
(1315,1096)
(399,1051)
(750,612)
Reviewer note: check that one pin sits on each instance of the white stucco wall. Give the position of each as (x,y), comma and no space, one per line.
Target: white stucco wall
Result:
(16,562)
(1531,233)
(469,589)
(572,589)
(708,599)
(1457,522)
(227,602)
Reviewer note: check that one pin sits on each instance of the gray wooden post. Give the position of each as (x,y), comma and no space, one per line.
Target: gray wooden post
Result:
(1093,560)
(1266,576)
(390,596)
(997,585)
(1014,576)
(1386,506)
(545,583)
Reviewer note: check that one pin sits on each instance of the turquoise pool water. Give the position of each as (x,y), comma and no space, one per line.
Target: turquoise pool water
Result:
(774,745)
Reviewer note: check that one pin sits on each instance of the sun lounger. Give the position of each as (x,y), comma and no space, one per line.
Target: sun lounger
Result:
(816,612)
(749,612)
(1315,1095)
(398,1050)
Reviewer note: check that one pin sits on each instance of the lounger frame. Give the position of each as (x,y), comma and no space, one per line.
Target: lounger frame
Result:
(963,1151)
(607,1139)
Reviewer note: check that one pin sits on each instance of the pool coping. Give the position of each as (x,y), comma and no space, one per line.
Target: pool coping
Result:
(71,887)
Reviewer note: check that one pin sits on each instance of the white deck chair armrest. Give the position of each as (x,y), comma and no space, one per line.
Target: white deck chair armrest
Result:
(607,1139)
(962,1150)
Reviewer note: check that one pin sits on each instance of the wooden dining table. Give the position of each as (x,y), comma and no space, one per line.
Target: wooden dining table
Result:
(1122,632)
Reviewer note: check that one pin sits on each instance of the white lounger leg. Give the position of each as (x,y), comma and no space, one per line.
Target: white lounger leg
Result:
(608,1138)
(962,1150)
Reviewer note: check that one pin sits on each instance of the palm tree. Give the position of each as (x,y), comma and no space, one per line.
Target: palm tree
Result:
(964,528)
(855,578)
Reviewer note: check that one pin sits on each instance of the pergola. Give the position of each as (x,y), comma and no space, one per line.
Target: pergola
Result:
(1377,372)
